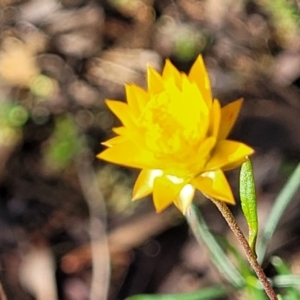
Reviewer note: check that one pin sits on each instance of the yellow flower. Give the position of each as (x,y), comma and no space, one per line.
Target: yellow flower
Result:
(176,133)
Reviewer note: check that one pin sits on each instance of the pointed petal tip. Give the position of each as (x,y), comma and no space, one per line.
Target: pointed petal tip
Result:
(198,74)
(248,151)
(214,185)
(154,81)
(159,210)
(135,198)
(150,69)
(109,102)
(138,195)
(185,198)
(199,58)
(183,209)
(229,115)
(229,200)
(160,205)
(251,151)
(109,143)
(106,144)
(134,195)
(99,155)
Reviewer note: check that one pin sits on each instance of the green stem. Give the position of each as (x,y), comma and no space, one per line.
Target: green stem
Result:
(249,253)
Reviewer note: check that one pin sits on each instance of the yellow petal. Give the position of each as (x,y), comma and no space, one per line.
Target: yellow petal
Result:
(154,80)
(199,75)
(193,96)
(226,153)
(215,118)
(185,198)
(114,141)
(202,154)
(137,98)
(130,134)
(164,192)
(235,164)
(173,93)
(144,183)
(120,130)
(129,155)
(171,73)
(214,185)
(229,114)
(122,111)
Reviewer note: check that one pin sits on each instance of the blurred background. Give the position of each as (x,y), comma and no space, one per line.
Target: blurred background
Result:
(68,227)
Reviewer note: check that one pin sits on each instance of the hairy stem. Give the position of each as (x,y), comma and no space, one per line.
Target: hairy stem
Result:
(248,251)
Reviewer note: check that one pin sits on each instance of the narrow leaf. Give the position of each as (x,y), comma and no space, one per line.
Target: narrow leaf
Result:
(248,201)
(286,279)
(218,256)
(210,293)
(280,204)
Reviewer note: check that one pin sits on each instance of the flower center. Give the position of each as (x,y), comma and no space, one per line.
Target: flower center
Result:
(171,126)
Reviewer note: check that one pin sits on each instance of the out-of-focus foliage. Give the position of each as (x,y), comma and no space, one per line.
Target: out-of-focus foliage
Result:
(12,117)
(63,144)
(286,17)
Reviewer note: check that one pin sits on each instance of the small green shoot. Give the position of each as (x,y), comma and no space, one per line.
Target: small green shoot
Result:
(248,201)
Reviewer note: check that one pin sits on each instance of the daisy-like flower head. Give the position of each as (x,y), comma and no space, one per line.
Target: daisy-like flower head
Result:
(176,133)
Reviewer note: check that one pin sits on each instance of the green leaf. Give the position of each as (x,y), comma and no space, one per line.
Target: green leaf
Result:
(210,293)
(281,202)
(254,289)
(218,256)
(286,279)
(248,201)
